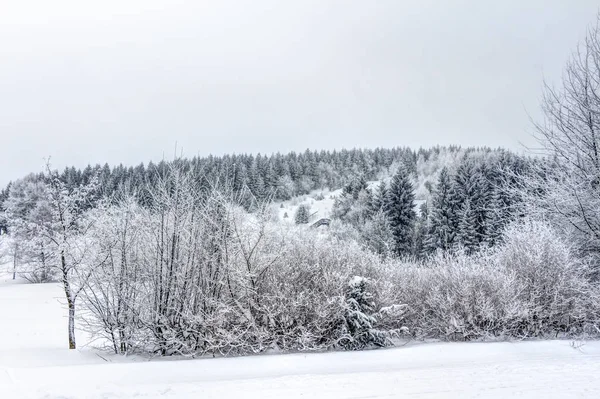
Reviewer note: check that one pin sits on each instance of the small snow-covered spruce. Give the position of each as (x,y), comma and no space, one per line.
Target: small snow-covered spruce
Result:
(302,214)
(359,331)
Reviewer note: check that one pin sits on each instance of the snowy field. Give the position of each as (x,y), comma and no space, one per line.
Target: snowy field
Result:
(35,364)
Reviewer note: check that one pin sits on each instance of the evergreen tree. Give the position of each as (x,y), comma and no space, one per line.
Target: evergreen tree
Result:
(359,320)
(481,200)
(470,193)
(302,214)
(420,232)
(400,211)
(467,226)
(3,220)
(443,219)
(240,177)
(494,221)
(379,198)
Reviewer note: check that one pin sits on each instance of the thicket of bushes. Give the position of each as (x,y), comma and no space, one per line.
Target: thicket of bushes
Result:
(529,286)
(195,273)
(191,279)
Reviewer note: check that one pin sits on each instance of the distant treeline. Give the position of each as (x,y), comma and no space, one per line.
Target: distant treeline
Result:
(280,176)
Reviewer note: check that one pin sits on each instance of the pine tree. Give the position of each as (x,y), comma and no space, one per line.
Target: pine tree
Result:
(443,219)
(379,198)
(471,190)
(4,194)
(359,320)
(302,214)
(467,226)
(420,232)
(400,211)
(496,219)
(481,200)
(271,179)
(254,180)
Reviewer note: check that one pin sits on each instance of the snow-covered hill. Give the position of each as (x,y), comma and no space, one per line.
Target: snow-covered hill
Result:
(34,363)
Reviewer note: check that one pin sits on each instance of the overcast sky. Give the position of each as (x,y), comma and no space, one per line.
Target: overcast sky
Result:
(123,81)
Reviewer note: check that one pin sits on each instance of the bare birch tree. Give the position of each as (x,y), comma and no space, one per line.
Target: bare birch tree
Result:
(67,236)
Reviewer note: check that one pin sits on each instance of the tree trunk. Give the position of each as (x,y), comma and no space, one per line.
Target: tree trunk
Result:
(72,325)
(44,271)
(70,301)
(15,264)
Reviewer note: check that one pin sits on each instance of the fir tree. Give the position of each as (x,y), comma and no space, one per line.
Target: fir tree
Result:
(379,197)
(470,192)
(302,214)
(3,220)
(496,219)
(481,200)
(400,211)
(468,236)
(443,219)
(359,320)
(420,232)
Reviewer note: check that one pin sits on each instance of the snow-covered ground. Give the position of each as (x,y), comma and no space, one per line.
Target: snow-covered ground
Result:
(320,202)
(35,364)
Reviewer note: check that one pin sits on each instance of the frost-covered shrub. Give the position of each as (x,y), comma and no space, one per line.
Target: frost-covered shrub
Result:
(211,278)
(457,297)
(376,235)
(530,286)
(195,273)
(305,298)
(556,286)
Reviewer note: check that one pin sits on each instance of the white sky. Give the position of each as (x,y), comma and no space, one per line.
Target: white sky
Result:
(123,81)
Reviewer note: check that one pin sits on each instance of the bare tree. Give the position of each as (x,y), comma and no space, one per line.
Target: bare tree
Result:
(67,236)
(113,294)
(566,188)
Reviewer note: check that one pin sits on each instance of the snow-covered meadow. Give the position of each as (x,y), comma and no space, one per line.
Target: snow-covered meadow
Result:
(35,363)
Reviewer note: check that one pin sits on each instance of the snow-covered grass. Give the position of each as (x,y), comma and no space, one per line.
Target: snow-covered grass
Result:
(34,363)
